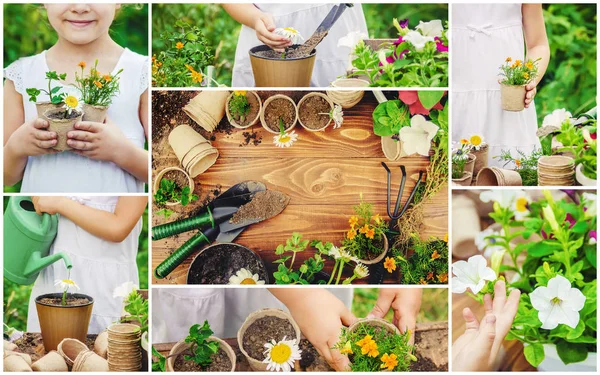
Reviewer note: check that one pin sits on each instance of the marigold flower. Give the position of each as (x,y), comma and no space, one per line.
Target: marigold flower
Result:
(107,77)
(435,255)
(442,278)
(351,234)
(81,64)
(347,349)
(353,221)
(519,63)
(197,77)
(377,219)
(389,361)
(364,340)
(446,238)
(189,67)
(464,141)
(370,348)
(98,84)
(423,282)
(529,65)
(364,229)
(153,58)
(370,233)
(389,264)
(430,276)
(508,59)
(179,45)
(518,163)
(239,93)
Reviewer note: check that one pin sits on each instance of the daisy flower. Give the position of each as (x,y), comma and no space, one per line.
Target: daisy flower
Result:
(245,277)
(280,356)
(73,102)
(285,139)
(290,33)
(66,284)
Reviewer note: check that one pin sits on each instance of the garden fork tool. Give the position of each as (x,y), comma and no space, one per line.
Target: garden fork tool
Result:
(395,215)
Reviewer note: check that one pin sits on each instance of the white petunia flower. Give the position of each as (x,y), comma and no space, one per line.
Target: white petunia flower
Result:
(589,203)
(556,118)
(351,39)
(472,274)
(66,284)
(382,55)
(337,115)
(290,33)
(125,289)
(488,245)
(505,198)
(416,39)
(285,139)
(417,138)
(245,277)
(361,271)
(280,356)
(557,303)
(432,28)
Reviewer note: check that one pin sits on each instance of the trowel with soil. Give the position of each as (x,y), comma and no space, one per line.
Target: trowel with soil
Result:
(223,220)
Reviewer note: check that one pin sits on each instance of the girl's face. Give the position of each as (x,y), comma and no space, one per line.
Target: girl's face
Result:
(81,23)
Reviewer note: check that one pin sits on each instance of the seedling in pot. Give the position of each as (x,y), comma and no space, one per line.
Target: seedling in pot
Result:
(65,285)
(201,349)
(170,191)
(366,237)
(54,94)
(239,106)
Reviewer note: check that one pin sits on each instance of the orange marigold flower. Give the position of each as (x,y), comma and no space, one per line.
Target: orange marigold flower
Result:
(442,278)
(389,264)
(353,221)
(423,282)
(370,233)
(526,75)
(518,163)
(351,234)
(107,77)
(529,65)
(153,58)
(179,45)
(364,229)
(197,77)
(446,238)
(508,59)
(519,62)
(98,84)
(464,141)
(389,361)
(81,64)
(435,255)
(430,276)
(377,219)
(189,67)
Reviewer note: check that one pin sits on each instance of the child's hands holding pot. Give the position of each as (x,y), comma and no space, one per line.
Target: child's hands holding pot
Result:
(264,27)
(405,303)
(98,141)
(530,91)
(33,139)
(49,205)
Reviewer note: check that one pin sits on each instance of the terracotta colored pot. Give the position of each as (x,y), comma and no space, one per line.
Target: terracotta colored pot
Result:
(42,107)
(69,349)
(512,97)
(381,256)
(464,211)
(307,96)
(276,72)
(498,177)
(61,127)
(465,180)
(207,108)
(94,113)
(60,322)
(347,98)
(255,364)
(182,345)
(160,175)
(51,362)
(266,106)
(251,123)
(470,164)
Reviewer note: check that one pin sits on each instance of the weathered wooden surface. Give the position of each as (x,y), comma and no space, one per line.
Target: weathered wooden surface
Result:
(324,173)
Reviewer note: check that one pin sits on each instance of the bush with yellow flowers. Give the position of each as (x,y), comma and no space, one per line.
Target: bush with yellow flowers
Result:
(365,238)
(97,88)
(518,72)
(422,262)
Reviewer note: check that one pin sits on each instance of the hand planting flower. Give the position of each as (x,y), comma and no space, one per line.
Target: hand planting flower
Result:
(417,138)
(290,33)
(281,356)
(557,303)
(472,274)
(245,277)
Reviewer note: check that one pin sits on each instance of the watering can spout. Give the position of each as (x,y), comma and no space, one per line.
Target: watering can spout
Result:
(37,263)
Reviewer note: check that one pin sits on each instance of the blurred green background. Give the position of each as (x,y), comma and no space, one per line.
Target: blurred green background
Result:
(222,31)
(16,297)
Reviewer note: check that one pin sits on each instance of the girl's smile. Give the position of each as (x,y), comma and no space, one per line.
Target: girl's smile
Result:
(80,24)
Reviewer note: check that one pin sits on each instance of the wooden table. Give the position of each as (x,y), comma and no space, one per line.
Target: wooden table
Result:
(324,173)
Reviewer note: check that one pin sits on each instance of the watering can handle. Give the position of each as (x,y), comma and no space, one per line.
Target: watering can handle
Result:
(46,217)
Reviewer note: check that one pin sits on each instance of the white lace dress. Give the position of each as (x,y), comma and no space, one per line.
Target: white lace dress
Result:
(483,36)
(67,172)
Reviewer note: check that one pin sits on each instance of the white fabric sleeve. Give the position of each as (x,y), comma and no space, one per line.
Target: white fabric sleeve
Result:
(144,76)
(14,73)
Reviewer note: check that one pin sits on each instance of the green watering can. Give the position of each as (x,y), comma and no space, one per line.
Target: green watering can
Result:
(27,240)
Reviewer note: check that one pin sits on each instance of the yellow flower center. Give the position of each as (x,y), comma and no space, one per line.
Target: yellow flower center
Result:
(476,140)
(71,101)
(285,138)
(281,353)
(555,301)
(291,30)
(67,281)
(248,281)
(521,204)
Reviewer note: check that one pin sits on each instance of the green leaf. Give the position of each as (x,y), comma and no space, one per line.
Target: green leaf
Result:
(430,98)
(534,353)
(580,227)
(571,353)
(576,332)
(543,248)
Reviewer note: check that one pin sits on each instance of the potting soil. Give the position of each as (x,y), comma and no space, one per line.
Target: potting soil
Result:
(220,363)
(311,359)
(314,112)
(307,47)
(176,176)
(60,115)
(264,330)
(70,301)
(264,205)
(279,109)
(252,111)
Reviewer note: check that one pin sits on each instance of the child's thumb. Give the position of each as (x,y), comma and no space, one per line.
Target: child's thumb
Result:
(487,333)
(268,21)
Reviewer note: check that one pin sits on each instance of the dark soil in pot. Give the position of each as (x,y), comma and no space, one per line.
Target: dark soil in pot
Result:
(176,176)
(72,300)
(380,245)
(264,330)
(314,112)
(60,115)
(291,53)
(217,263)
(308,47)
(264,205)
(252,112)
(280,109)
(220,363)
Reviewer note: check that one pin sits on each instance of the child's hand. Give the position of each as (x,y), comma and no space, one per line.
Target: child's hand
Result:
(31,139)
(405,303)
(264,26)
(98,141)
(478,347)
(49,205)
(530,91)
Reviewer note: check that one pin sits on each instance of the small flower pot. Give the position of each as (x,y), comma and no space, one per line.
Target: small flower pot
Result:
(276,107)
(89,361)
(556,170)
(69,349)
(512,97)
(374,322)
(94,113)
(160,176)
(51,362)
(465,180)
(16,363)
(481,159)
(470,164)
(498,177)
(310,111)
(254,113)
(381,256)
(195,152)
(181,346)
(347,98)
(207,108)
(61,126)
(464,211)
(270,70)
(582,179)
(124,350)
(59,322)
(101,344)
(261,315)
(26,357)
(42,107)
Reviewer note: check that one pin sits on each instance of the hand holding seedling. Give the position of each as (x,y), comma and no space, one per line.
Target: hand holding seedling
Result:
(32,139)
(405,303)
(478,347)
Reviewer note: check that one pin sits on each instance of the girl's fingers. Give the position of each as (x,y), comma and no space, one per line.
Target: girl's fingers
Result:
(512,303)
(39,123)
(44,135)
(79,145)
(487,334)
(46,144)
(471,321)
(488,304)
(81,135)
(94,127)
(499,296)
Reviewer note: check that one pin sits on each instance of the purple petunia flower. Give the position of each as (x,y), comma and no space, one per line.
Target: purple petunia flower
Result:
(440,45)
(404,23)
(571,220)
(593,237)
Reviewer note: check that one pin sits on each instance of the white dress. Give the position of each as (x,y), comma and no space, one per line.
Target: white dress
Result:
(175,310)
(99,267)
(483,36)
(67,172)
(331,60)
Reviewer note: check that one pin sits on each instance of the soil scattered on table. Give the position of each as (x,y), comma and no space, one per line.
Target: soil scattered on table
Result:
(264,205)
(314,112)
(311,359)
(71,301)
(279,109)
(32,344)
(307,47)
(431,346)
(264,330)
(252,111)
(251,138)
(60,115)
(220,363)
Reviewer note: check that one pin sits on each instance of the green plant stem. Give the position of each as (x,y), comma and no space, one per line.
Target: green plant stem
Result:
(64,298)
(337,281)
(333,272)
(293,259)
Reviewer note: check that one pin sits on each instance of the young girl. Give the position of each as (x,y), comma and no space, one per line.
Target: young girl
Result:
(260,20)
(101,236)
(483,36)
(107,157)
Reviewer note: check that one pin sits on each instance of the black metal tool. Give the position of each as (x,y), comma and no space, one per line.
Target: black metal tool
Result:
(395,215)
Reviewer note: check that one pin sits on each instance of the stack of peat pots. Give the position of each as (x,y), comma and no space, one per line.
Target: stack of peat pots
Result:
(195,152)
(207,108)
(124,350)
(556,170)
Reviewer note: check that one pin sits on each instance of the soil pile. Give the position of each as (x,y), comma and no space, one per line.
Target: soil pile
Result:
(306,49)
(220,363)
(264,205)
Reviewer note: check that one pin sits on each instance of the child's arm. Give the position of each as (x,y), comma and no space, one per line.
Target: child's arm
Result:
(261,22)
(537,44)
(21,139)
(113,227)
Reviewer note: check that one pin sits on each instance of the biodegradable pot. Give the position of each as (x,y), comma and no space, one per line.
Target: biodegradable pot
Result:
(481,159)
(16,363)
(195,152)
(277,72)
(90,362)
(215,264)
(347,98)
(94,113)
(207,108)
(556,170)
(101,344)
(266,107)
(381,256)
(512,97)
(255,364)
(60,322)
(553,363)
(26,357)
(470,164)
(182,345)
(304,99)
(465,180)
(51,362)
(233,122)
(464,211)
(160,175)
(42,107)
(9,346)
(61,127)
(498,177)
(582,179)
(69,349)
(375,322)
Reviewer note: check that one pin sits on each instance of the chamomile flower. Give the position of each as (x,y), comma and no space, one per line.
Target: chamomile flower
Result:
(361,271)
(280,356)
(66,284)
(477,142)
(245,277)
(337,115)
(290,33)
(285,139)
(334,252)
(72,102)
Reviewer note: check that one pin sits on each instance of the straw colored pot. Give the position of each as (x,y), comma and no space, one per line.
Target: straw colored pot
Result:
(266,107)
(9,346)
(381,256)
(375,322)
(26,357)
(481,159)
(347,98)
(42,107)
(61,127)
(90,362)
(306,97)
(94,113)
(207,108)
(251,123)
(556,170)
(60,322)
(160,175)
(582,179)
(51,362)
(470,164)
(124,350)
(255,364)
(69,349)
(512,97)
(464,211)
(465,180)
(182,345)
(195,153)
(498,177)
(275,72)
(16,363)
(101,344)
